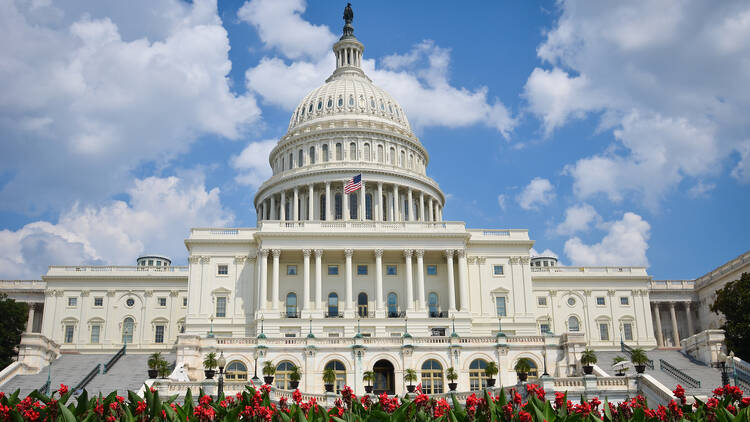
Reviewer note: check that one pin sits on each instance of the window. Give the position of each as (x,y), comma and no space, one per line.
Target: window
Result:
(130,302)
(351,100)
(162,301)
(432,302)
(541,301)
(627,331)
(573,324)
(223,269)
(69,330)
(159,334)
(544,328)
(333,270)
(283,375)
(324,150)
(533,372)
(361,269)
(339,151)
(362,304)
(600,300)
(72,301)
(366,153)
(340,371)
(432,377)
(323,207)
(312,155)
(236,370)
(392,305)
(390,270)
(290,335)
(184,301)
(353,214)
(300,159)
(320,104)
(368,207)
(291,305)
(95,330)
(437,332)
(500,304)
(338,211)
(127,330)
(604,331)
(333,305)
(432,269)
(393,156)
(221,307)
(401,159)
(98,301)
(624,300)
(291,161)
(497,270)
(150,262)
(380,154)
(291,270)
(571,301)
(477,376)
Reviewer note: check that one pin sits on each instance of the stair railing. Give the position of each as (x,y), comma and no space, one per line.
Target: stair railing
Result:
(679,374)
(629,350)
(741,373)
(87,379)
(113,360)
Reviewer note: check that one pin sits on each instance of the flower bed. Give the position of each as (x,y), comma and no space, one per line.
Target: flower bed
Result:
(726,405)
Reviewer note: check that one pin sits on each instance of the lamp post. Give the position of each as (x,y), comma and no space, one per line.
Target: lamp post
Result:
(722,365)
(211,329)
(222,363)
(256,380)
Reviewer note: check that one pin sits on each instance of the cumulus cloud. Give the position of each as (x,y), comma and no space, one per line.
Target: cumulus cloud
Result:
(625,243)
(537,193)
(546,252)
(501,201)
(252,163)
(90,92)
(670,77)
(158,212)
(418,79)
(578,218)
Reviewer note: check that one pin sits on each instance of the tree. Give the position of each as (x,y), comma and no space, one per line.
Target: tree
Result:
(12,325)
(733,301)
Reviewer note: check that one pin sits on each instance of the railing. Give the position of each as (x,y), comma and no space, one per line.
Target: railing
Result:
(291,314)
(742,373)
(87,379)
(607,270)
(114,268)
(113,360)
(629,351)
(441,314)
(334,314)
(45,388)
(685,378)
(398,314)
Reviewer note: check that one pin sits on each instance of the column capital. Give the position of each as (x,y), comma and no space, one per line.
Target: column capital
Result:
(460,252)
(276,252)
(318,252)
(349,252)
(671,304)
(448,253)
(378,252)
(419,253)
(687,305)
(408,253)
(264,252)
(306,252)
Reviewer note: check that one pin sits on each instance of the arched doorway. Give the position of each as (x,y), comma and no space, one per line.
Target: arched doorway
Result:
(385,380)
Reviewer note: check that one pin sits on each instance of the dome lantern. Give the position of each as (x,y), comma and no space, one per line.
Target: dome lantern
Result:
(348,49)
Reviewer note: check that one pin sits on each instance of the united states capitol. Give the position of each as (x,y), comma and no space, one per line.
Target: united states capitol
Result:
(375,280)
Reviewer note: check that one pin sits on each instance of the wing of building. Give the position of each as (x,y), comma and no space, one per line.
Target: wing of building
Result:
(372,280)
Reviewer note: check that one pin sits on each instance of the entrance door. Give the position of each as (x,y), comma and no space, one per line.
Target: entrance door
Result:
(384,377)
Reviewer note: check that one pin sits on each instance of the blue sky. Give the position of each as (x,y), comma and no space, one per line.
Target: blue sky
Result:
(616,133)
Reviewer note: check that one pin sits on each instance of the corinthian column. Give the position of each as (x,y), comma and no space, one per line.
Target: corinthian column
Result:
(349,304)
(379,280)
(319,279)
(306,279)
(310,203)
(675,332)
(420,279)
(463,280)
(451,281)
(659,332)
(263,280)
(275,280)
(409,281)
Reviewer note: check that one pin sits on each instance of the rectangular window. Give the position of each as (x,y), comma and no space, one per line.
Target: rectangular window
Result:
(432,270)
(497,270)
(500,303)
(541,301)
(333,270)
(624,300)
(184,301)
(395,334)
(291,270)
(604,331)
(600,300)
(390,270)
(223,269)
(221,307)
(333,334)
(69,329)
(290,335)
(95,329)
(627,329)
(438,332)
(162,301)
(544,328)
(361,269)
(98,301)
(159,334)
(72,301)
(150,262)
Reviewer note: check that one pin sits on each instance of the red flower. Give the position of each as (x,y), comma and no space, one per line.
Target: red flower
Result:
(719,392)
(679,392)
(524,416)
(63,389)
(140,407)
(297,396)
(441,406)
(153,390)
(745,402)
(114,405)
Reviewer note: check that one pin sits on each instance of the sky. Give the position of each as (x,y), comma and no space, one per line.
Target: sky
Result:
(617,133)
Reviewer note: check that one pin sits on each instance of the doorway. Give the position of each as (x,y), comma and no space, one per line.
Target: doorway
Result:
(385,381)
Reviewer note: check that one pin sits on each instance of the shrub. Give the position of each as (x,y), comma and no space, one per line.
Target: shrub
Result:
(588,357)
(451,374)
(491,369)
(268,368)
(210,362)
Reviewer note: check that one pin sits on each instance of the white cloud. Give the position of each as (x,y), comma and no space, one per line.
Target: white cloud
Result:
(625,243)
(578,218)
(90,92)
(537,193)
(159,211)
(546,252)
(252,163)
(700,189)
(501,201)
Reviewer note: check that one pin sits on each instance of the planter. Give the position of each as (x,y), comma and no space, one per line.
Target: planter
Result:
(329,388)
(452,386)
(209,373)
(522,376)
(268,380)
(620,374)
(640,368)
(294,384)
(368,389)
(490,382)
(588,369)
(410,388)
(152,373)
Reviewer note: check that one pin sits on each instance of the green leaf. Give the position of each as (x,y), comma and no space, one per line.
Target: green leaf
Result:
(66,413)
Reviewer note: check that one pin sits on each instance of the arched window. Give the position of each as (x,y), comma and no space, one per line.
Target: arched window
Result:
(380,153)
(127,330)
(393,156)
(392,305)
(301,159)
(411,161)
(362,305)
(291,161)
(353,151)
(236,370)
(333,305)
(367,152)
(282,376)
(324,148)
(432,301)
(323,207)
(477,376)
(353,197)
(402,158)
(291,305)
(338,207)
(340,371)
(432,377)
(368,206)
(312,155)
(339,152)
(573,324)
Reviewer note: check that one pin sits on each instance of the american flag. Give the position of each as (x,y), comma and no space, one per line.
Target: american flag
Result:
(354,184)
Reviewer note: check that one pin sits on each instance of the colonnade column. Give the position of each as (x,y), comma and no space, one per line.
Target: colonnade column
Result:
(30,321)
(310,203)
(689,317)
(362,209)
(296,205)
(451,281)
(409,281)
(328,201)
(410,206)
(379,280)
(282,206)
(659,333)
(306,279)
(348,299)
(263,280)
(345,202)
(273,207)
(275,280)
(421,206)
(463,280)
(380,208)
(430,211)
(318,279)
(395,203)
(420,279)
(675,332)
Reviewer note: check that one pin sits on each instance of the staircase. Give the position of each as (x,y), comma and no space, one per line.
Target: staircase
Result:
(128,374)
(68,369)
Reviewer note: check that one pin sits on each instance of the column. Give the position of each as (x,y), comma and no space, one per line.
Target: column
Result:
(410,207)
(275,280)
(451,281)
(306,279)
(463,280)
(318,279)
(379,209)
(389,205)
(379,280)
(345,202)
(409,281)
(420,279)
(282,206)
(30,321)
(362,203)
(430,211)
(296,205)
(689,317)
(659,333)
(421,206)
(395,203)
(328,201)
(310,203)
(263,279)
(273,207)
(349,305)
(675,332)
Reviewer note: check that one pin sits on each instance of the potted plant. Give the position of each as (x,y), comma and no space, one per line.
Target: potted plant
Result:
(452,377)
(368,377)
(410,376)
(294,377)
(163,368)
(491,370)
(522,369)
(329,379)
(153,365)
(268,371)
(588,358)
(209,365)
(639,359)
(620,371)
